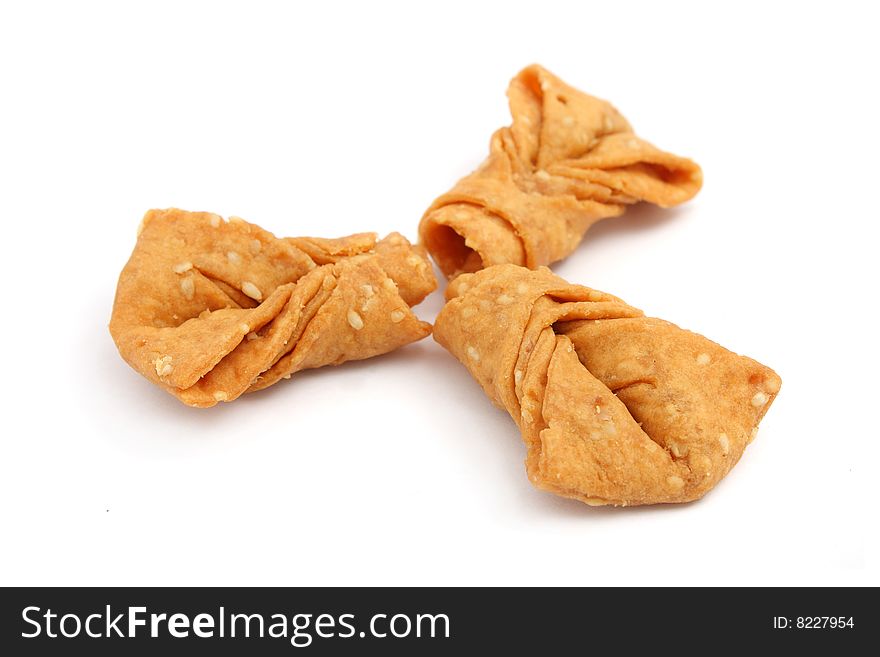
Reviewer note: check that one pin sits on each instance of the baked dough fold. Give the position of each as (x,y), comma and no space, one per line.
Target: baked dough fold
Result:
(614,407)
(209,309)
(567,161)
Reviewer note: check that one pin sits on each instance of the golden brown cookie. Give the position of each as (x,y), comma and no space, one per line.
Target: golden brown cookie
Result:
(210,309)
(567,161)
(614,407)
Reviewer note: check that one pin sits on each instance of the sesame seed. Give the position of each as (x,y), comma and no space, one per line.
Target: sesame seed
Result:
(540,174)
(163,365)
(182,267)
(188,287)
(397,316)
(256,246)
(522,288)
(473,354)
(504,300)
(244,328)
(233,219)
(215,220)
(517,377)
(703,359)
(368,290)
(468,311)
(233,258)
(675,481)
(545,85)
(220,395)
(252,336)
(389,285)
(251,290)
(725,443)
(760,399)
(678,451)
(355,320)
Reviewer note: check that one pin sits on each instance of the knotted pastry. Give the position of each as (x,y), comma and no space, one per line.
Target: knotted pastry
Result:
(567,161)
(210,309)
(614,407)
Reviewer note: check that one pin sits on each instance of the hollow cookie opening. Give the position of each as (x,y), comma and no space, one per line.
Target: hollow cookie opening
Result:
(450,251)
(465,238)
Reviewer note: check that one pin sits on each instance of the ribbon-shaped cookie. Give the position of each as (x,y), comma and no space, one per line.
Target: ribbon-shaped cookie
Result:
(567,161)
(210,309)
(614,407)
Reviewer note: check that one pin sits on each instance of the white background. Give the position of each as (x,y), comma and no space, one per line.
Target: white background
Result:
(325,119)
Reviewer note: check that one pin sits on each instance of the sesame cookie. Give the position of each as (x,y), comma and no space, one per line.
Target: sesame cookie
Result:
(567,161)
(210,309)
(614,407)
